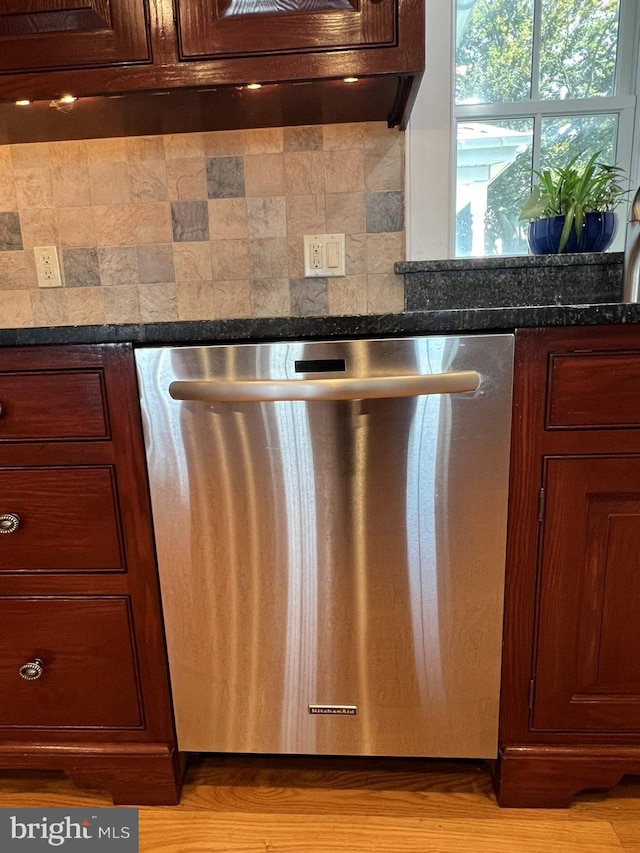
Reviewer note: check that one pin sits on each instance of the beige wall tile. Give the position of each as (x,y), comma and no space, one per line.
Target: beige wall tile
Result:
(115,194)
(347,295)
(107,150)
(265,140)
(384,169)
(271,297)
(114,225)
(306,214)
(85,305)
(34,187)
(228,219)
(264,175)
(49,307)
(192,262)
(152,222)
(76,226)
(30,155)
(304,172)
(148,181)
(383,250)
(355,252)
(17,270)
(230,259)
(269,258)
(267,217)
(73,153)
(195,300)
(109,183)
(16,312)
(121,304)
(39,227)
(158,303)
(295,255)
(385,293)
(232,298)
(118,266)
(187,179)
(343,136)
(8,200)
(224,143)
(71,186)
(345,213)
(145,148)
(378,136)
(343,171)
(182,146)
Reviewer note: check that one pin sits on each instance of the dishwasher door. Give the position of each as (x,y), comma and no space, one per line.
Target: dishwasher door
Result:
(330,523)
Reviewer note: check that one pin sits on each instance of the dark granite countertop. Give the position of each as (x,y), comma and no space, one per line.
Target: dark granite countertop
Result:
(382,325)
(549,290)
(572,279)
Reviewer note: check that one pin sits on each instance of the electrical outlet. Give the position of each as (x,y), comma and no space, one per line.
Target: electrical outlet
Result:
(323,255)
(47,266)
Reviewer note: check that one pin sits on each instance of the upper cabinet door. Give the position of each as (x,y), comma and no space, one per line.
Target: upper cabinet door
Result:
(46,35)
(220,28)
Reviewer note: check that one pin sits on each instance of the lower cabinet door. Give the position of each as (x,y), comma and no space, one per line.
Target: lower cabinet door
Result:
(68,662)
(587,663)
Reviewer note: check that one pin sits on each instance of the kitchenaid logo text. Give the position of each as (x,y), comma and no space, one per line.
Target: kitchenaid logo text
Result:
(31,830)
(342,710)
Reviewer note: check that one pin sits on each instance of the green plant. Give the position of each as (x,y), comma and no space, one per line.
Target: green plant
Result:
(572,191)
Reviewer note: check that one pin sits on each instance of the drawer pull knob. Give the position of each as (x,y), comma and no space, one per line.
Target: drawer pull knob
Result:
(32,670)
(9,522)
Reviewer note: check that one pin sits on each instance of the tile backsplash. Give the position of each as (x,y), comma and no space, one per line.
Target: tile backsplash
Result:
(202,225)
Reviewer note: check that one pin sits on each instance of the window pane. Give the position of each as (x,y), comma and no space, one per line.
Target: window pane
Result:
(493,50)
(493,177)
(578,44)
(570,136)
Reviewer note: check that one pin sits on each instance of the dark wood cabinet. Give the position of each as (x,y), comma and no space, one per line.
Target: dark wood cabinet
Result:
(37,35)
(246,27)
(201,57)
(570,705)
(79,592)
(587,663)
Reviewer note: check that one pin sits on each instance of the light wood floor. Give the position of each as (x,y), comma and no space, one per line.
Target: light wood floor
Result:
(324,806)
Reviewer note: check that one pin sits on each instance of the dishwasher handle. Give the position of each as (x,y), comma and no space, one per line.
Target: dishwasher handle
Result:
(309,390)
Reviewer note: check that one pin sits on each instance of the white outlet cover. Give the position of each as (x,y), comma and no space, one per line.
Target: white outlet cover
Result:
(317,258)
(47,266)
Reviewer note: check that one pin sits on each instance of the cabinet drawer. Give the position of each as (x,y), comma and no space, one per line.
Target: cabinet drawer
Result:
(52,405)
(594,390)
(68,519)
(89,677)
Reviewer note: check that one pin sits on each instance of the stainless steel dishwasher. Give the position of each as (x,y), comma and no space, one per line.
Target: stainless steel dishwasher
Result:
(330,523)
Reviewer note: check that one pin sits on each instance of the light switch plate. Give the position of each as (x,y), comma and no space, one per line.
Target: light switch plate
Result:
(323,255)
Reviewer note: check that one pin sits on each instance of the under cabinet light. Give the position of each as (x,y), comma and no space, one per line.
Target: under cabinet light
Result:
(67,99)
(350,79)
(23,102)
(253,86)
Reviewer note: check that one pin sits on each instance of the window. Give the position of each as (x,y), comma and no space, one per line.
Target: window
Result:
(536,82)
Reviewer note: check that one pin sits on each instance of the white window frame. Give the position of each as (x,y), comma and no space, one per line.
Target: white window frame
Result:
(430,137)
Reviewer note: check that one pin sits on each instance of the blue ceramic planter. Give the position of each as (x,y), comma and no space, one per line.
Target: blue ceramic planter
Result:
(597,233)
